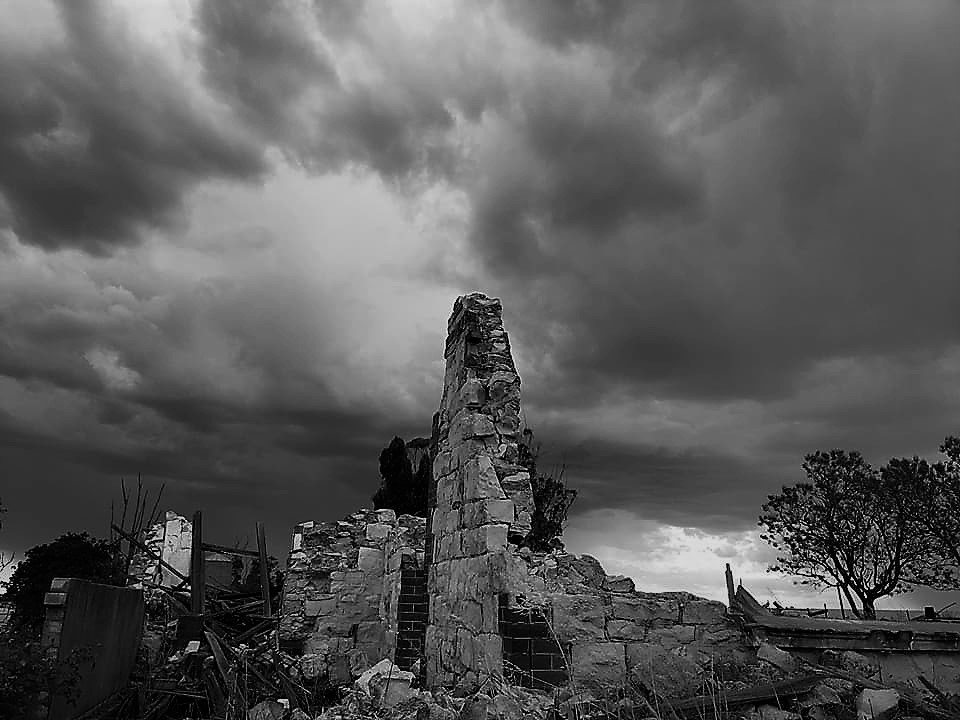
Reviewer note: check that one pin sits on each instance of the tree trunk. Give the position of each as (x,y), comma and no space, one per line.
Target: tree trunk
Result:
(850,601)
(869,611)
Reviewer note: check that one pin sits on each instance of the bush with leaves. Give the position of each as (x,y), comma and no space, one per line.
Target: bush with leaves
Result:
(74,555)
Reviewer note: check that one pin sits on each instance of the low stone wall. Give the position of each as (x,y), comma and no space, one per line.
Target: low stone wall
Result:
(98,627)
(342,591)
(613,636)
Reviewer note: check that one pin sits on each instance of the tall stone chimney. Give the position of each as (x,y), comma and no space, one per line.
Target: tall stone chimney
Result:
(481,496)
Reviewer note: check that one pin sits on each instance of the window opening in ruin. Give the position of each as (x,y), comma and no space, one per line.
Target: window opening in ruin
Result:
(532,657)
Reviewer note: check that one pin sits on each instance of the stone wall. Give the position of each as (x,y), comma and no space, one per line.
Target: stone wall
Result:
(481,497)
(481,507)
(614,637)
(172,539)
(355,590)
(343,588)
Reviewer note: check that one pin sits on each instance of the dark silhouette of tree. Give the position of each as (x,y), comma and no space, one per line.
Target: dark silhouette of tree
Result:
(74,555)
(402,489)
(849,528)
(931,494)
(552,499)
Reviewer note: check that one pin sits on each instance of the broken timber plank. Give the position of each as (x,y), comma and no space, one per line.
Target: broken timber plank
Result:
(751,696)
(264,569)
(197,566)
(213,547)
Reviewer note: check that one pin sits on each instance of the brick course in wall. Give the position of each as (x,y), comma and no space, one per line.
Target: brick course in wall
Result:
(411,614)
(532,655)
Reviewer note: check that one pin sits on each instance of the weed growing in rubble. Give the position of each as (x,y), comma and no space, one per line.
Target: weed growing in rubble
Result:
(29,677)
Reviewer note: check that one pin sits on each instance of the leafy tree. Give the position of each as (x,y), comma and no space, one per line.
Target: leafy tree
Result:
(849,528)
(74,555)
(402,489)
(931,493)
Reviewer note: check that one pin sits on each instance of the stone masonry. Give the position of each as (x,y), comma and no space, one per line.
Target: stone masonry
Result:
(461,593)
(482,496)
(343,591)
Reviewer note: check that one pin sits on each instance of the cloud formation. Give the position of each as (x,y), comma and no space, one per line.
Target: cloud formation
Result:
(724,234)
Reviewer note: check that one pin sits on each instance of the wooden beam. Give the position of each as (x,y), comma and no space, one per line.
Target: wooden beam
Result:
(264,569)
(197,567)
(213,547)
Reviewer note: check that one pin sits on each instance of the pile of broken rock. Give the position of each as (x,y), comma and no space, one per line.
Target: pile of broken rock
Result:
(784,688)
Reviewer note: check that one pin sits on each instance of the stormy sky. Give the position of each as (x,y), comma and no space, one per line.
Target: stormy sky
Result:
(725,234)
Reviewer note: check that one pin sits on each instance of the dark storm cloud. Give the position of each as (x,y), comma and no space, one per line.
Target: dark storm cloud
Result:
(98,138)
(685,204)
(260,56)
(817,219)
(267,61)
(718,491)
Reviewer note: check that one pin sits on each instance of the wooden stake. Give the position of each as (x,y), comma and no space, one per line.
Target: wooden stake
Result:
(197,567)
(264,570)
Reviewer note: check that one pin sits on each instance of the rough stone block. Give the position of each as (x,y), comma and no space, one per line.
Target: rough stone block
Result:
(705,612)
(472,394)
(626,630)
(661,671)
(643,610)
(480,480)
(377,531)
(370,560)
(498,511)
(780,659)
(619,583)
(578,618)
(600,667)
(468,424)
(672,637)
(449,492)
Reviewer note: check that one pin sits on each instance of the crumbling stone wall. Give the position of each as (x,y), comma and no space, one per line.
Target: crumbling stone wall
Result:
(482,496)
(613,636)
(355,591)
(172,539)
(343,588)
(480,509)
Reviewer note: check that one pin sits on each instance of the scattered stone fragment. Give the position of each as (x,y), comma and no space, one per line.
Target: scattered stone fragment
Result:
(266,710)
(780,659)
(877,704)
(386,684)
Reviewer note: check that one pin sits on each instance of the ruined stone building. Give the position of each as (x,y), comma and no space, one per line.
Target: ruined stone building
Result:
(457,591)
(459,596)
